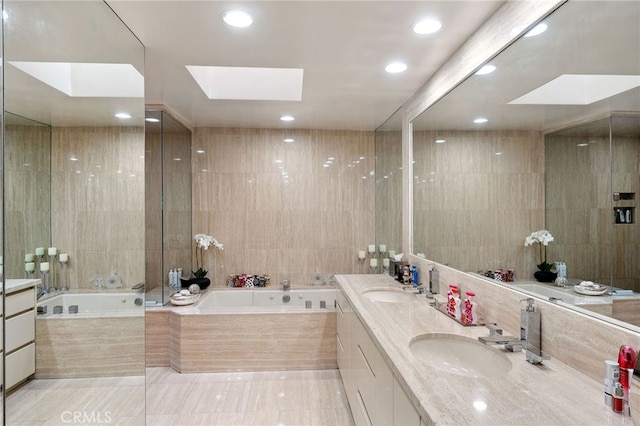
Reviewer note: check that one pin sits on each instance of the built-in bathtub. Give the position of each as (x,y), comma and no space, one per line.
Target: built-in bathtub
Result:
(253,330)
(92,334)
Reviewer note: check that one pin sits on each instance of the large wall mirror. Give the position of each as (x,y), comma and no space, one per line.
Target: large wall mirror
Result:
(498,156)
(74,178)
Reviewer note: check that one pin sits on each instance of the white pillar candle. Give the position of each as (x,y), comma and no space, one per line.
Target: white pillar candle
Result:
(392,254)
(52,251)
(385,262)
(29,267)
(383,248)
(64,257)
(373,263)
(361,255)
(372,248)
(29,257)
(44,266)
(40,251)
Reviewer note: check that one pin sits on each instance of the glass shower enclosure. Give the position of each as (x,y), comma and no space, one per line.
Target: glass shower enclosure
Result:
(168,238)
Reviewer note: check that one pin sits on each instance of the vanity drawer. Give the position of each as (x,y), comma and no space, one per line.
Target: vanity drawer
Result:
(20,301)
(20,365)
(20,330)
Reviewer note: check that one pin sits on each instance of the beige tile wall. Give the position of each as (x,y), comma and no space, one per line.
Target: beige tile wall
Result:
(98,201)
(276,207)
(473,207)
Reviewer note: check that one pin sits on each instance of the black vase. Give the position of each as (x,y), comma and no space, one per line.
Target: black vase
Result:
(545,276)
(202,282)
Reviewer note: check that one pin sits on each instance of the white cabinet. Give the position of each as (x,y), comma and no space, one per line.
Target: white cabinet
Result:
(368,380)
(20,353)
(404,413)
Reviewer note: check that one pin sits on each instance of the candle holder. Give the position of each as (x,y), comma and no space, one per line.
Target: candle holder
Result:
(40,257)
(63,274)
(45,282)
(52,262)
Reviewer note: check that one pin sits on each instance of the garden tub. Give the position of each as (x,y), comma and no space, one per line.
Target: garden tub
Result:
(255,330)
(92,334)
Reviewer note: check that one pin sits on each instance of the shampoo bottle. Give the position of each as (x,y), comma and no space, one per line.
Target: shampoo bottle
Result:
(457,304)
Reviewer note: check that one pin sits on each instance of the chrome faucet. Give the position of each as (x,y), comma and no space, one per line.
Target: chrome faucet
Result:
(495,337)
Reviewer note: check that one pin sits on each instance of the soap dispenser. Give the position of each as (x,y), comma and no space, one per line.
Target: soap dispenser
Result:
(530,332)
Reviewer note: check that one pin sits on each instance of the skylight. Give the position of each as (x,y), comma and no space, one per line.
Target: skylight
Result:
(87,80)
(579,89)
(249,83)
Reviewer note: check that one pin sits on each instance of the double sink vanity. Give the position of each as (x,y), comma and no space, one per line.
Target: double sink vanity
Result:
(404,362)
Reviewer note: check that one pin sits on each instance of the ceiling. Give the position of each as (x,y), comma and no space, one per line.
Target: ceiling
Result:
(343,47)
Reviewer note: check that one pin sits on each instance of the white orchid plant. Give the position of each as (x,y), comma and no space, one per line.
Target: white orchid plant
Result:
(543,238)
(203,242)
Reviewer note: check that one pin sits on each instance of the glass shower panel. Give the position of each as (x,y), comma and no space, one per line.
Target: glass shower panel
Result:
(168,204)
(625,143)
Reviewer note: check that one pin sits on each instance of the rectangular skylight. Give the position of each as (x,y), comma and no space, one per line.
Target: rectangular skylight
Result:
(249,83)
(579,89)
(92,80)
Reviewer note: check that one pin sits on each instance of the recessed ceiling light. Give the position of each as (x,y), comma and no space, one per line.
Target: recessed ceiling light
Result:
(440,141)
(427,26)
(480,120)
(287,118)
(123,115)
(537,30)
(237,18)
(152,120)
(583,144)
(487,69)
(396,67)
(288,140)
(200,151)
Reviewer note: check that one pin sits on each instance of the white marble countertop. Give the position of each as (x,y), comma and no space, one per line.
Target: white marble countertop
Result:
(549,394)
(13,285)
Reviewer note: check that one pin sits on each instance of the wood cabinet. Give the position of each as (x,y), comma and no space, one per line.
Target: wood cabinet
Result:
(20,336)
(368,381)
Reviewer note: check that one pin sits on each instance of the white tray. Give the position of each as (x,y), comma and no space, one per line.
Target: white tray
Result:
(182,300)
(591,291)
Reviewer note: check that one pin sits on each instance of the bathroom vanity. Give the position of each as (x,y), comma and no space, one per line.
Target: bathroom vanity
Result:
(390,377)
(19,314)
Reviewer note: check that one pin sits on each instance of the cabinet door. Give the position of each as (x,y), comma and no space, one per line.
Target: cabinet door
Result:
(20,365)
(404,413)
(20,301)
(20,330)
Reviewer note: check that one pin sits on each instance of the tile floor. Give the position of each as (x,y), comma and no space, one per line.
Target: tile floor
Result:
(257,398)
(216,399)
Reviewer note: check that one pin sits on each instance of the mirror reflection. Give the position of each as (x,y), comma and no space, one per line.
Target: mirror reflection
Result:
(388,147)
(485,165)
(73,174)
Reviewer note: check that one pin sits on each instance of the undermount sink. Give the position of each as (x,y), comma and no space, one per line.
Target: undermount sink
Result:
(460,355)
(390,295)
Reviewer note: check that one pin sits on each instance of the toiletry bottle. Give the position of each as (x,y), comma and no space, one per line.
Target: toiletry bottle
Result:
(611,377)
(457,304)
(627,360)
(414,275)
(451,304)
(469,310)
(617,399)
